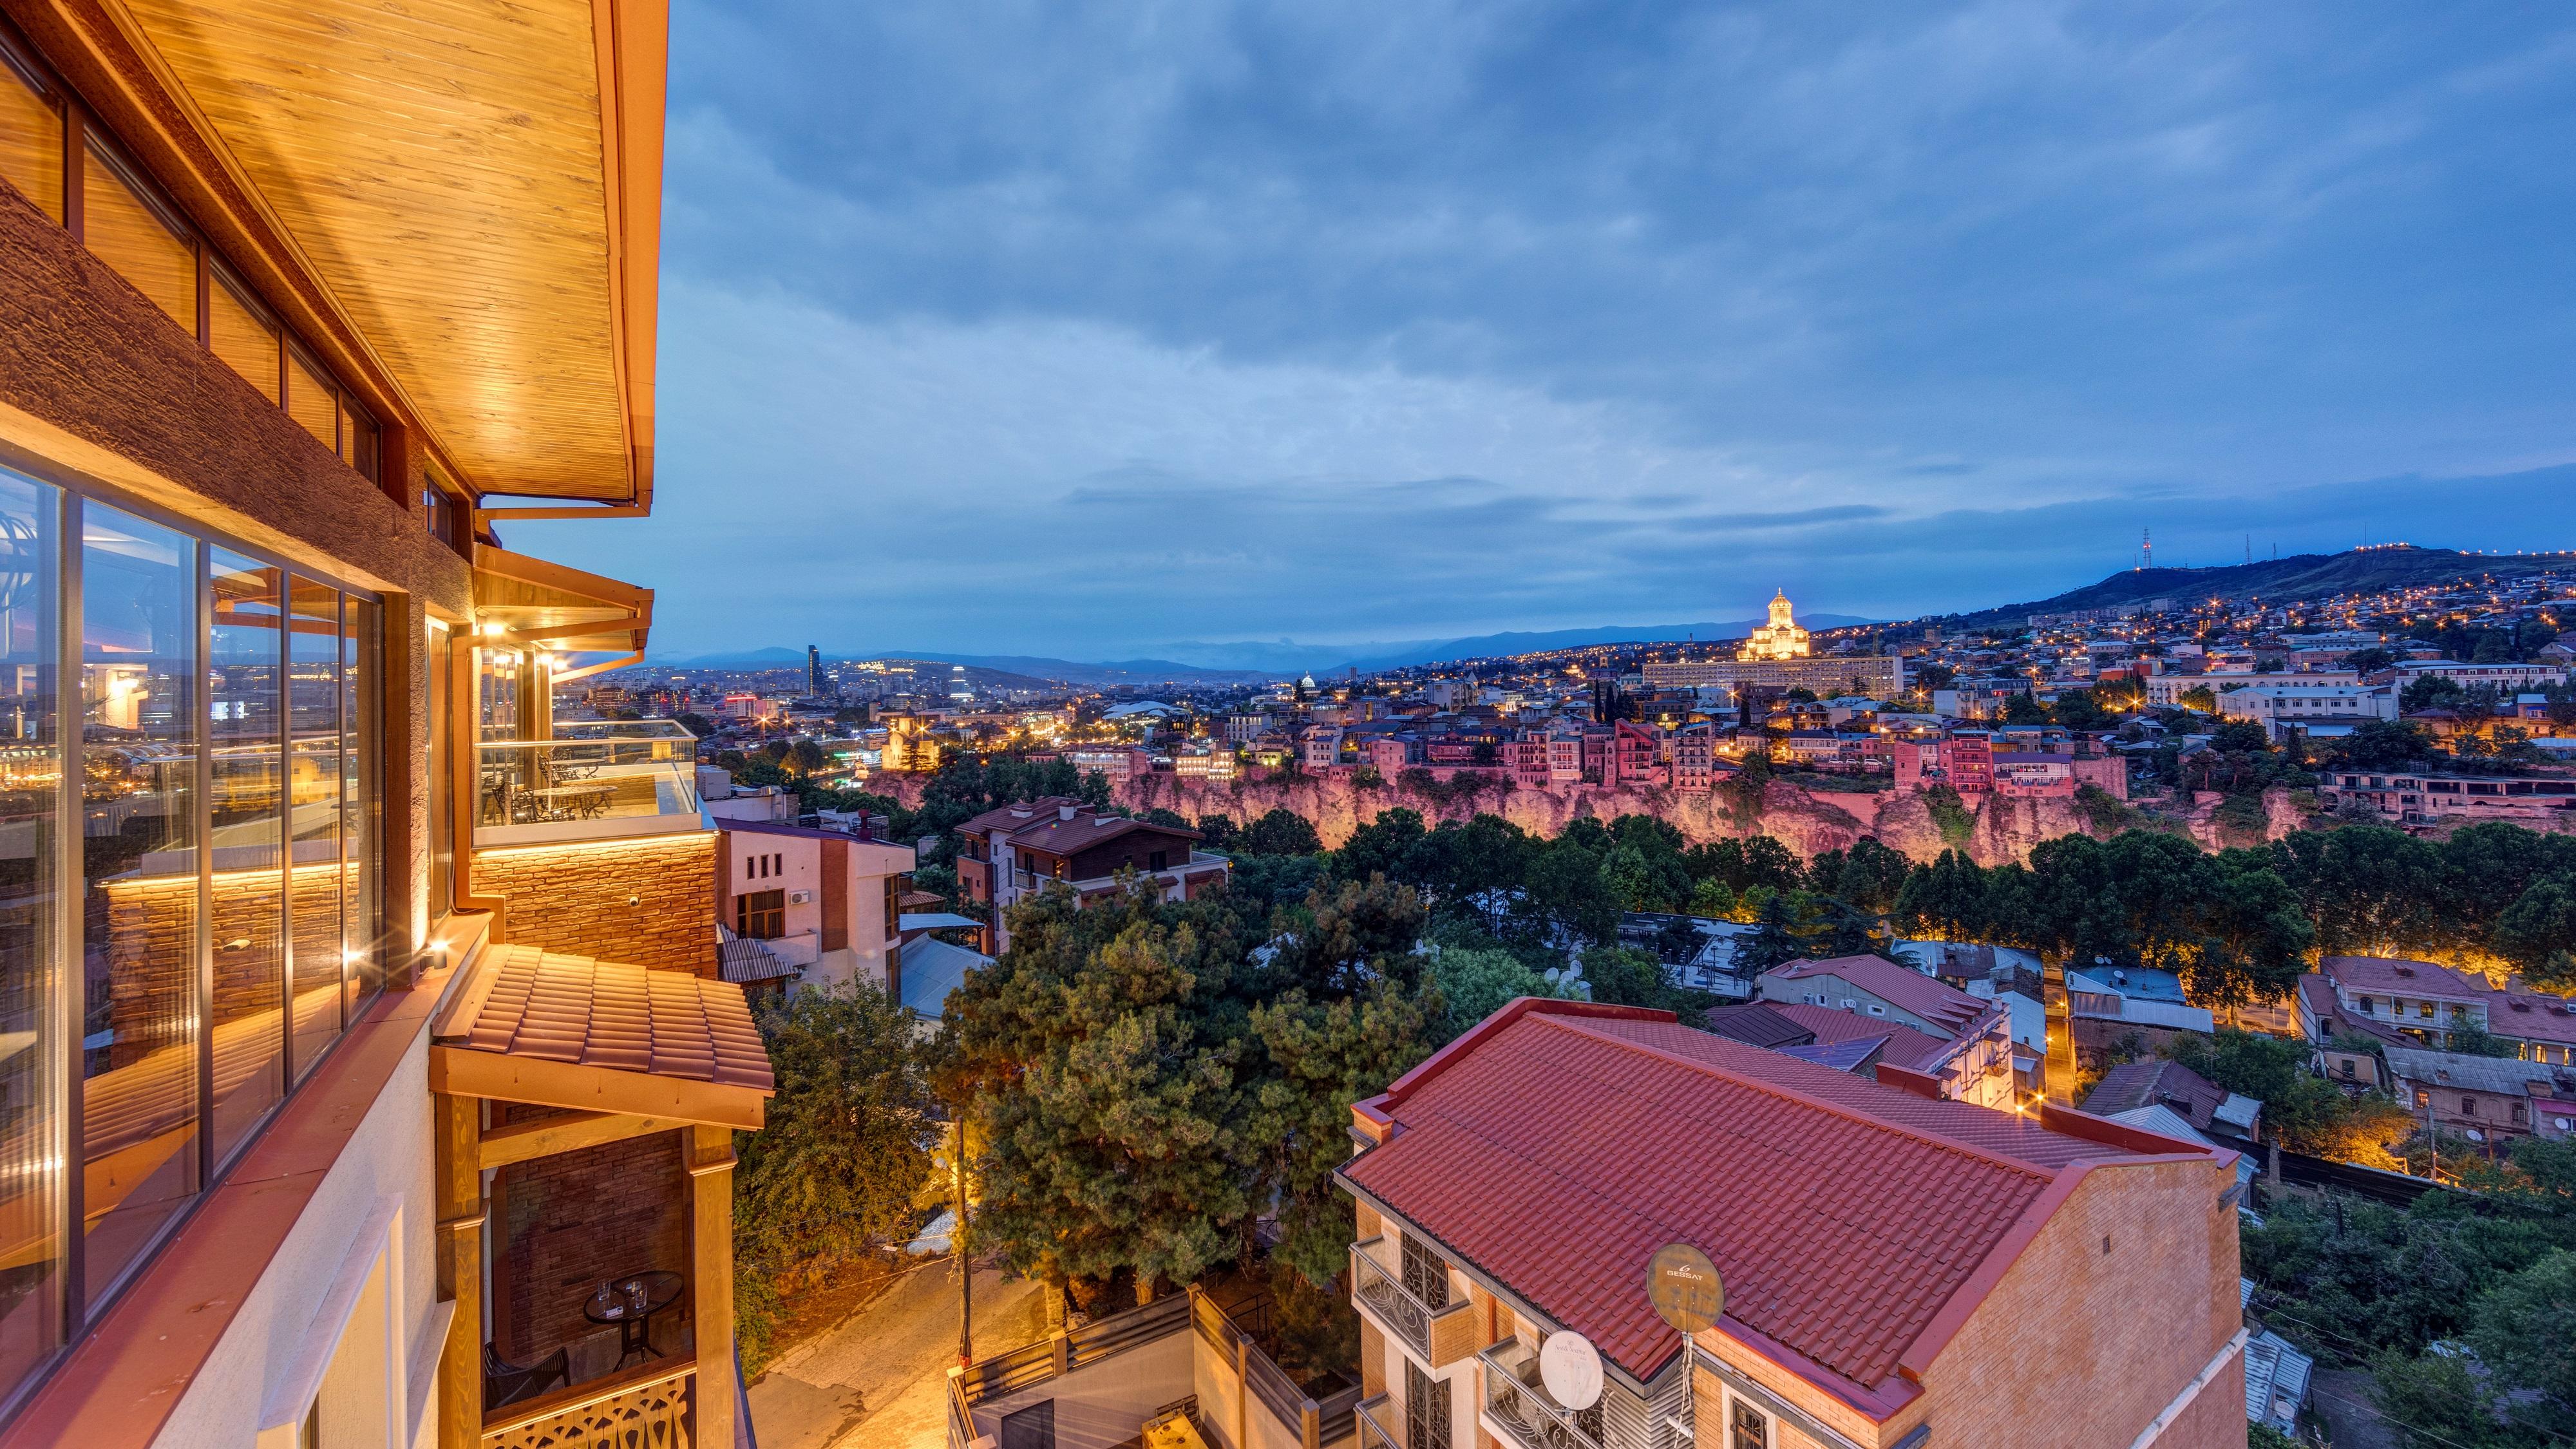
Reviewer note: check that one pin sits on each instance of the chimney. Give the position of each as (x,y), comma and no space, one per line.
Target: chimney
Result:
(1064,812)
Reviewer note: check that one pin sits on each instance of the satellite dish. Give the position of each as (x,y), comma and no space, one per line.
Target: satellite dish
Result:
(1570,1367)
(1684,1287)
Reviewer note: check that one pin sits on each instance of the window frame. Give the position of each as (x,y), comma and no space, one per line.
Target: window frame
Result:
(767,907)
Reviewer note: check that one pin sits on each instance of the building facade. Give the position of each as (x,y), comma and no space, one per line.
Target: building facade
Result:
(1008,854)
(294,839)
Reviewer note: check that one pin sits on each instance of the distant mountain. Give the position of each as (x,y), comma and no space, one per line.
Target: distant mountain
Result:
(2309,575)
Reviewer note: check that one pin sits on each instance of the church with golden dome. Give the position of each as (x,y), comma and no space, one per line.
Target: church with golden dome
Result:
(1779,639)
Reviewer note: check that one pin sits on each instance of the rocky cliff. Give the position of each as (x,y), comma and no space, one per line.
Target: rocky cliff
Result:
(1808,821)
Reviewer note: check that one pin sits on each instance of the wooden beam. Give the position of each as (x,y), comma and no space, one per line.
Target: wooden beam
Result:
(506,1078)
(524,1141)
(711,1160)
(457,1187)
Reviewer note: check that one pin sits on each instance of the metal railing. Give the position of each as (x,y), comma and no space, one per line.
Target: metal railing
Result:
(1516,1401)
(572,780)
(1376,1286)
(655,1406)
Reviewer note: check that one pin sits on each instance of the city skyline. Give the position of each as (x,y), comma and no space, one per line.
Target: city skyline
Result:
(1237,325)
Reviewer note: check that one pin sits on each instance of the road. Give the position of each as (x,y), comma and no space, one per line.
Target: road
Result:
(879,1380)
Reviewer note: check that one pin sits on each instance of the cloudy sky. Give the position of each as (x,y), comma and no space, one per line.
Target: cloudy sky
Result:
(1085,330)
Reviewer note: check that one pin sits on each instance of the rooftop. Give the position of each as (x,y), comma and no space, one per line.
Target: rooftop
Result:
(1552,1116)
(1935,1001)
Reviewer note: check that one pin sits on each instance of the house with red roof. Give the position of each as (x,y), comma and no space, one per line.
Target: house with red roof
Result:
(1973,1062)
(2421,1003)
(1020,849)
(1898,1270)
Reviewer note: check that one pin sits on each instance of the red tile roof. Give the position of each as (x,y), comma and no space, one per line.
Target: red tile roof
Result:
(619,1018)
(1905,1046)
(2381,976)
(1040,825)
(1941,1004)
(1558,1145)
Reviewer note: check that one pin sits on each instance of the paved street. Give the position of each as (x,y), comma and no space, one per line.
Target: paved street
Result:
(879,1379)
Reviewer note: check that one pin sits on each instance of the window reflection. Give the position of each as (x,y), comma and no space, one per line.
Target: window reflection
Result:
(34,1068)
(243,711)
(361,802)
(139,911)
(313,907)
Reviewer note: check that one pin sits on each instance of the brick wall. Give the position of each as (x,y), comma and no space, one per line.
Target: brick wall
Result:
(2078,1345)
(565,1224)
(647,902)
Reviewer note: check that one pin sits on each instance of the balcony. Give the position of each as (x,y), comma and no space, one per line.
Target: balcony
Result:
(650,1406)
(1519,1411)
(592,781)
(1438,1337)
(1369,1414)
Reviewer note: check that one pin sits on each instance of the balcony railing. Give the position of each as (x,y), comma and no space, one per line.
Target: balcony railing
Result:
(1519,1410)
(1374,1434)
(1418,1324)
(652,1408)
(587,786)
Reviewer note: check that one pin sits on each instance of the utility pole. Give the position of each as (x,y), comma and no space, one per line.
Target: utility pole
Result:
(957,1246)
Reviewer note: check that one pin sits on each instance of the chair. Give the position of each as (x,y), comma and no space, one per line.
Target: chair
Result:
(506,1383)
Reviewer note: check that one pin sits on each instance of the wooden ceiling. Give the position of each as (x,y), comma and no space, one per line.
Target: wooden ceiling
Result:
(483,210)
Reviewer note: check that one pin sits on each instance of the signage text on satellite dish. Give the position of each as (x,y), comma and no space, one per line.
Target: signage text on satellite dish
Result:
(1683,1285)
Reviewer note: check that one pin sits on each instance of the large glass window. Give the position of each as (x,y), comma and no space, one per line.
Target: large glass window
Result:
(31,143)
(130,234)
(245,713)
(34,1056)
(442,825)
(239,333)
(139,918)
(313,764)
(226,777)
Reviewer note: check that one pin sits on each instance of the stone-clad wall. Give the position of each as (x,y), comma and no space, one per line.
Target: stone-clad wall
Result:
(649,902)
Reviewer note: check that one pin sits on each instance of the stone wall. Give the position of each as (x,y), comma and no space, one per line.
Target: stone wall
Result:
(649,902)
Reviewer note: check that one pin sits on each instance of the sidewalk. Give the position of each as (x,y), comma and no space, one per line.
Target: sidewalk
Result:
(879,1379)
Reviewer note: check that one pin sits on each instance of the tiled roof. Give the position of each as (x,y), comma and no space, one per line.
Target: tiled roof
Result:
(1040,825)
(1941,1004)
(1559,1146)
(1905,1046)
(618,1018)
(1760,1024)
(2384,976)
(2132,1085)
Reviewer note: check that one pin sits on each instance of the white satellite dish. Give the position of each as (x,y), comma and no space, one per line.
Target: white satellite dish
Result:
(1570,1367)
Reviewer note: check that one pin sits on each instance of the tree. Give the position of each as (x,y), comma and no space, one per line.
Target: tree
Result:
(1281,832)
(1171,818)
(695,723)
(1773,942)
(1625,976)
(1392,845)
(1320,1057)
(2524,1331)
(2371,890)
(1102,1053)
(2200,697)
(2379,744)
(2084,709)
(1946,899)
(1218,831)
(1474,984)
(846,1148)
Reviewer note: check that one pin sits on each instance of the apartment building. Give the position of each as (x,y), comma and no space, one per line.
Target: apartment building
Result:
(1975,1062)
(2318,708)
(365,1030)
(809,907)
(1896,1270)
(2490,1101)
(2407,797)
(2421,1003)
(1007,854)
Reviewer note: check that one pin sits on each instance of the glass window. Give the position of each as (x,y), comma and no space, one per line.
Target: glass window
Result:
(245,339)
(129,234)
(1746,1426)
(498,692)
(357,439)
(1425,1276)
(312,401)
(246,725)
(34,1062)
(139,726)
(1426,1409)
(313,813)
(442,827)
(31,143)
(361,804)
(760,915)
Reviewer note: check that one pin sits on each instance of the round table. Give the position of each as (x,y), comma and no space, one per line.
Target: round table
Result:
(630,1302)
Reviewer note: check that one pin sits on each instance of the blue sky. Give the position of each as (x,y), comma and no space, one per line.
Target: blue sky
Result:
(1080,330)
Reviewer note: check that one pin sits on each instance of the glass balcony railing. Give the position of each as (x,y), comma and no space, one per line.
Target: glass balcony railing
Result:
(586,782)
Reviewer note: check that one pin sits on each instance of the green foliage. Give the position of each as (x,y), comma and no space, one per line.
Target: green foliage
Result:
(846,1150)
(1320,1056)
(1950,815)
(1474,984)
(2025,709)
(1280,832)
(2084,709)
(2379,744)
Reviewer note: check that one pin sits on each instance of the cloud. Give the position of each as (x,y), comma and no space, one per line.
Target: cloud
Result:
(1036,325)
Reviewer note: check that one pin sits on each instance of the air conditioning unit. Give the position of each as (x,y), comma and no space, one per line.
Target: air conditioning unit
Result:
(800,898)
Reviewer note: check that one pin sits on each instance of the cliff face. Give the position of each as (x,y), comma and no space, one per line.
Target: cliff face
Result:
(1810,822)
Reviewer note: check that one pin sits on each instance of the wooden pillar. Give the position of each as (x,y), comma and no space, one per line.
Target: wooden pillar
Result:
(457,1129)
(710,1158)
(403,773)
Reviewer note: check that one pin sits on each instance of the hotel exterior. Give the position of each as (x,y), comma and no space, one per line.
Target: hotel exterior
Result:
(366,1073)
(1899,1271)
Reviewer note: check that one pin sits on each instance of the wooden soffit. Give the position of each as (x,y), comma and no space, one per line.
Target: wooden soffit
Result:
(551,606)
(476,186)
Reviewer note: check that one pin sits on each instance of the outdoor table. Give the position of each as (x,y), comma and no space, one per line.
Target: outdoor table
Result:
(630,1303)
(1173,1431)
(585,799)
